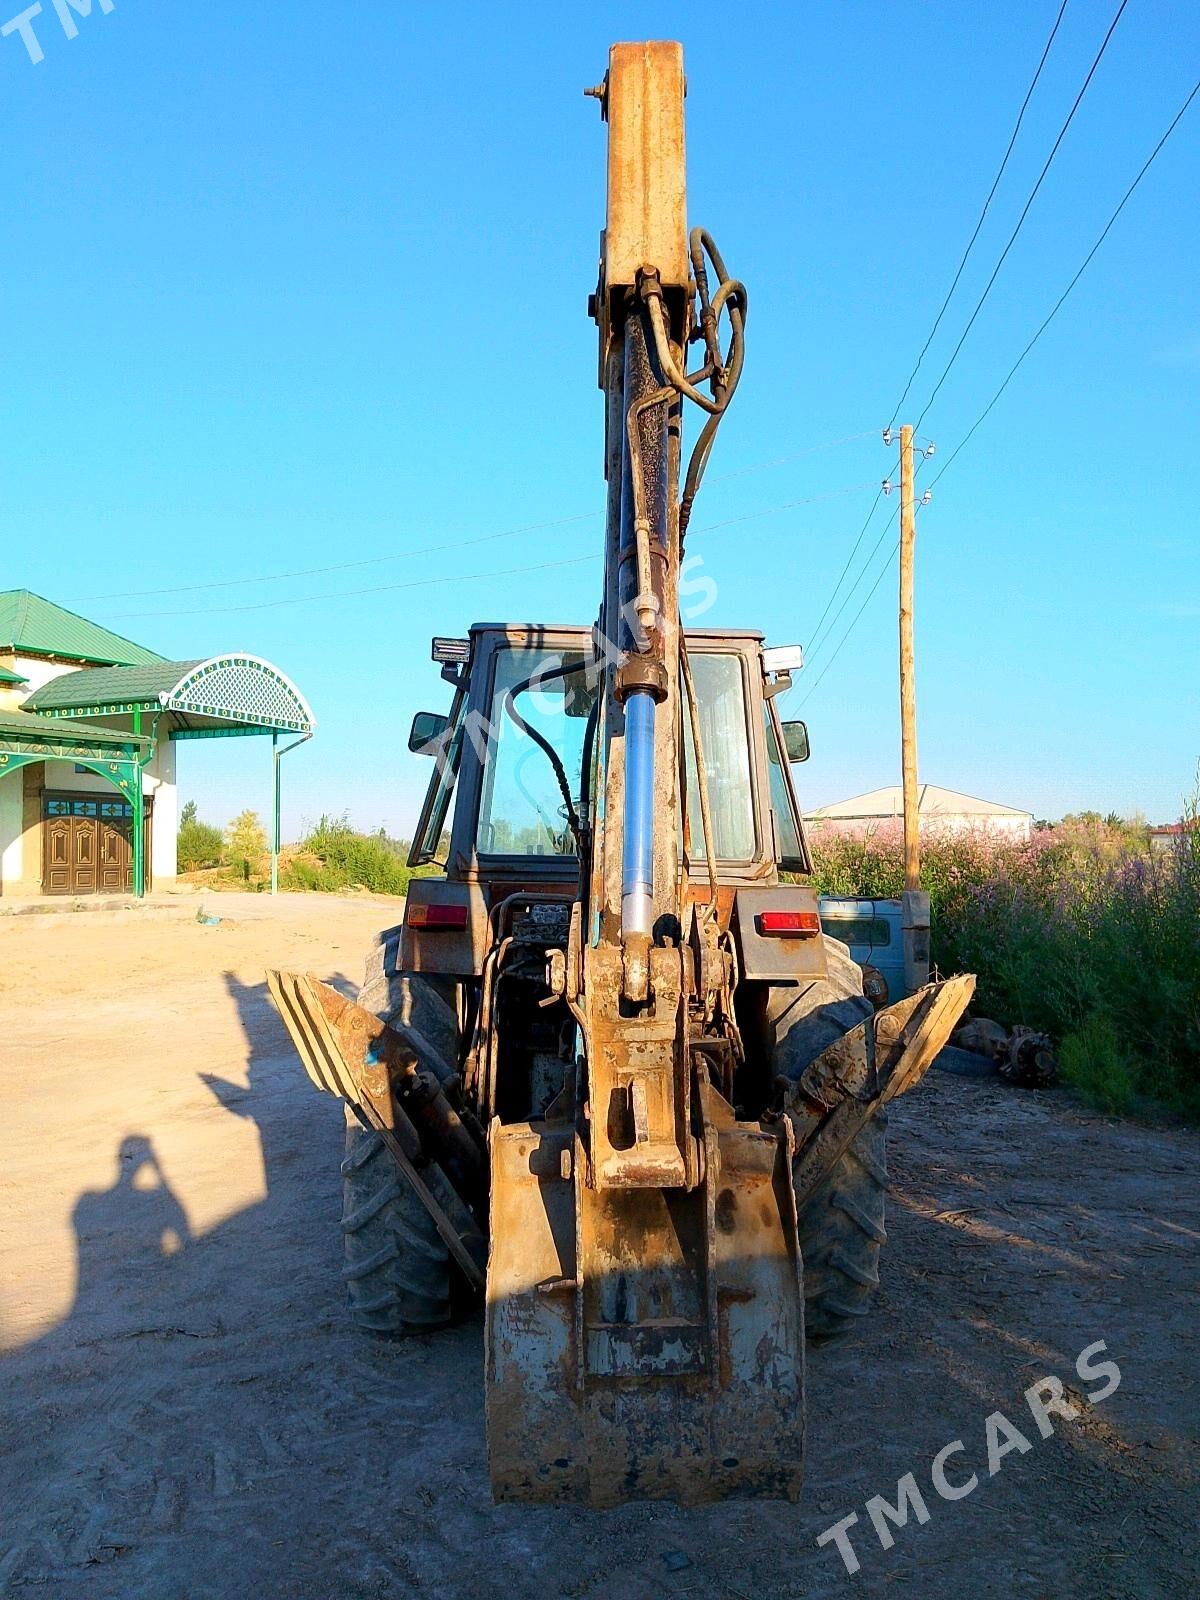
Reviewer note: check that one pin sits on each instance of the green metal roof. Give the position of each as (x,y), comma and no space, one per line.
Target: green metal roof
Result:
(236,691)
(34,626)
(110,686)
(11,677)
(21,728)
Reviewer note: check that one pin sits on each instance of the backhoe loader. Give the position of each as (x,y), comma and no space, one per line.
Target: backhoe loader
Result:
(608,1075)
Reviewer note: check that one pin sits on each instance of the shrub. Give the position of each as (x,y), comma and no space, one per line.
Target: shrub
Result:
(1092,1059)
(333,856)
(198,844)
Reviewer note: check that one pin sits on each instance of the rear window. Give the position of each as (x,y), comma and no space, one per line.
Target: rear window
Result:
(874,932)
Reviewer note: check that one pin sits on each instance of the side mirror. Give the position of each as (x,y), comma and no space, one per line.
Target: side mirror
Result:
(427,732)
(795,741)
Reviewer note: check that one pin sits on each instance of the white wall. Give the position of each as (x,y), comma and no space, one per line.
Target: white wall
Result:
(160,782)
(12,789)
(39,672)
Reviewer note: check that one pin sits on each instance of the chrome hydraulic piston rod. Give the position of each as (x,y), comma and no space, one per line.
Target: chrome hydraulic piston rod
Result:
(642,679)
(637,863)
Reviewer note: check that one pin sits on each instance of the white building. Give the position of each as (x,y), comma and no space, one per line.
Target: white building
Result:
(937,810)
(89,722)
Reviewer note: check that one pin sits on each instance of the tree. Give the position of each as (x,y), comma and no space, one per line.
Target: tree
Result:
(198,844)
(246,843)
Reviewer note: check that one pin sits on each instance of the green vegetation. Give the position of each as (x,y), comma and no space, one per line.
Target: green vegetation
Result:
(1086,932)
(199,845)
(246,845)
(333,856)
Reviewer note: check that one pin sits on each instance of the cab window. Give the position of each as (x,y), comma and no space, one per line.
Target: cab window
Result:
(792,854)
(521,808)
(721,694)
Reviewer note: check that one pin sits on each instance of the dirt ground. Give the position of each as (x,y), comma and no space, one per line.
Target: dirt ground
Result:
(185,1412)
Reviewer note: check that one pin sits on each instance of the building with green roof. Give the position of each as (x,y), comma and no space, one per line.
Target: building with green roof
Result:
(89,722)
(30,625)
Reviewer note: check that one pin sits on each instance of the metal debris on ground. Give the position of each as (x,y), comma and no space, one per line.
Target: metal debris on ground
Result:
(1028,1060)
(1021,1055)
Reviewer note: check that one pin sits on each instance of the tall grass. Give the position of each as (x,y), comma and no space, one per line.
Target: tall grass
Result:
(1084,931)
(333,856)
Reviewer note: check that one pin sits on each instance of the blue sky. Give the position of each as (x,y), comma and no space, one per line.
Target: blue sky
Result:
(296,286)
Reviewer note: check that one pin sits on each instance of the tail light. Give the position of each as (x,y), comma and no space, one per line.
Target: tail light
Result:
(789,924)
(437,918)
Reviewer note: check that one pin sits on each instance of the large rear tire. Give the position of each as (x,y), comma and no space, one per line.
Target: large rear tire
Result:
(397,1267)
(842,1225)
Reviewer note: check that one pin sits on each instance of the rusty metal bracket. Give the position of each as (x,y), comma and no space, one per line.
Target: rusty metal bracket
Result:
(348,1052)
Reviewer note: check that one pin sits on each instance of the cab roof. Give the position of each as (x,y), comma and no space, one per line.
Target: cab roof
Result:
(575,627)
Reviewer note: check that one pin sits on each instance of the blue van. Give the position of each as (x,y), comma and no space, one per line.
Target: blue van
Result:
(873,929)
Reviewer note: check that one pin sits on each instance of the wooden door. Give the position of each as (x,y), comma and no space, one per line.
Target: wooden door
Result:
(115,846)
(57,850)
(70,844)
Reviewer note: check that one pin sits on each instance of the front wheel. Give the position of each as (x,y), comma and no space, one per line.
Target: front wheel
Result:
(841,1234)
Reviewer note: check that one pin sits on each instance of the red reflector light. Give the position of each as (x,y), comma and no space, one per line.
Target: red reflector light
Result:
(433,917)
(789,924)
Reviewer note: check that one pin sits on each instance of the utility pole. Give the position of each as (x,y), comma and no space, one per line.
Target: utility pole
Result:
(908,687)
(915,903)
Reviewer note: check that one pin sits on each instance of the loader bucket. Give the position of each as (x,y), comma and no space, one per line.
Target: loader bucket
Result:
(644,1343)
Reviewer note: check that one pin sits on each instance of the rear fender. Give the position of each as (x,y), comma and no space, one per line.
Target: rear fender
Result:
(445,952)
(766,957)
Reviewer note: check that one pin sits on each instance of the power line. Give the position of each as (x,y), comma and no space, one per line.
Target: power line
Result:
(811,650)
(1146,165)
(336,566)
(816,634)
(990,195)
(387,588)
(454,544)
(1025,212)
(866,600)
(787,505)
(853,623)
(782,461)
(1058,304)
(851,591)
(1012,371)
(379,588)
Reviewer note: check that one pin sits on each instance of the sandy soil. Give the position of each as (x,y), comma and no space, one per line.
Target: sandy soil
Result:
(187,1414)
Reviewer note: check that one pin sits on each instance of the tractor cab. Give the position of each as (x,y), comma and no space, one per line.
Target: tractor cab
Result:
(512,819)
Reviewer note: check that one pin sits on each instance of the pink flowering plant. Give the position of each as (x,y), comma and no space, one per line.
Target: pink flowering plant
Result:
(1085,931)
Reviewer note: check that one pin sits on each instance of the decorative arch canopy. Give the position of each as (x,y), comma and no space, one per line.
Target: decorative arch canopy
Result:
(241,688)
(236,692)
